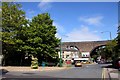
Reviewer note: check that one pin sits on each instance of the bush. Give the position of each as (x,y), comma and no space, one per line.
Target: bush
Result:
(34,63)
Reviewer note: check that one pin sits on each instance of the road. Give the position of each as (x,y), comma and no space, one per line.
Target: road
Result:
(93,71)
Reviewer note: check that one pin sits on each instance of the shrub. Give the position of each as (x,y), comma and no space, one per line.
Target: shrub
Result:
(34,63)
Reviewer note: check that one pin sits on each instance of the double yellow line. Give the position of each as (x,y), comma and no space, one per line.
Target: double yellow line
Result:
(103,74)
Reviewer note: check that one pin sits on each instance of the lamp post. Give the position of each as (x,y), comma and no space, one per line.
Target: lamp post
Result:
(61,52)
(109,34)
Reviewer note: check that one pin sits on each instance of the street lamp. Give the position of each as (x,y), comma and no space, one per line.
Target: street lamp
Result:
(109,34)
(61,52)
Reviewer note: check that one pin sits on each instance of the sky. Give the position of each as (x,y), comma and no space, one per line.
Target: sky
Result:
(78,21)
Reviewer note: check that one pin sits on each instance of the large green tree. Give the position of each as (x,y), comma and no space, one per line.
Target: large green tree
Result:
(13,24)
(42,38)
(22,38)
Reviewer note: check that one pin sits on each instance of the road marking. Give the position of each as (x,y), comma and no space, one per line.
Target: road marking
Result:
(103,74)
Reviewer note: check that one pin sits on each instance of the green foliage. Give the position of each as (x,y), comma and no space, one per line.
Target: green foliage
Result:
(107,52)
(0,14)
(110,50)
(110,46)
(43,39)
(34,63)
(27,38)
(13,27)
(116,58)
(13,19)
(118,42)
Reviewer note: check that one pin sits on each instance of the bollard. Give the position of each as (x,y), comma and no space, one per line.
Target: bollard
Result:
(43,64)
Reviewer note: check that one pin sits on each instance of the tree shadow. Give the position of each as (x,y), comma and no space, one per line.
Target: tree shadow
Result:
(107,66)
(29,73)
(3,71)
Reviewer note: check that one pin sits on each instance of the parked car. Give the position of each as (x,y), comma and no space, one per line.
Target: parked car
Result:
(78,64)
(116,63)
(119,65)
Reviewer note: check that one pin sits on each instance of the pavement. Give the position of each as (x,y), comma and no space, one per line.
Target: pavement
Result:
(110,74)
(9,68)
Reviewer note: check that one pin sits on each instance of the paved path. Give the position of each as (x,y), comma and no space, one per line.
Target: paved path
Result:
(114,74)
(110,74)
(24,69)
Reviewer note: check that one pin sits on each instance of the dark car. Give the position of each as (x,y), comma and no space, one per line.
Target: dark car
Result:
(116,63)
(119,65)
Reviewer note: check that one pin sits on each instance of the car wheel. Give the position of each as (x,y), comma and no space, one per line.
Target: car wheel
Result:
(118,69)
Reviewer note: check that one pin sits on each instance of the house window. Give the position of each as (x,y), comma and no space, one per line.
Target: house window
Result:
(67,56)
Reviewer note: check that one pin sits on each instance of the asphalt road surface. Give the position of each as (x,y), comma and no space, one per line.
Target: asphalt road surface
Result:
(87,72)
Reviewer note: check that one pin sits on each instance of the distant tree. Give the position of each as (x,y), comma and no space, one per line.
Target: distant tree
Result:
(118,42)
(117,50)
(118,37)
(110,49)
(107,52)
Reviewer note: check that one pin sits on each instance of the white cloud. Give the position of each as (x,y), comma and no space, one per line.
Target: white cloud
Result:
(60,28)
(58,35)
(45,5)
(95,31)
(81,34)
(31,11)
(97,20)
(29,18)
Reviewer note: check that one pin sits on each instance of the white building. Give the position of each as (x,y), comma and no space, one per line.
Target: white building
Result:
(69,53)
